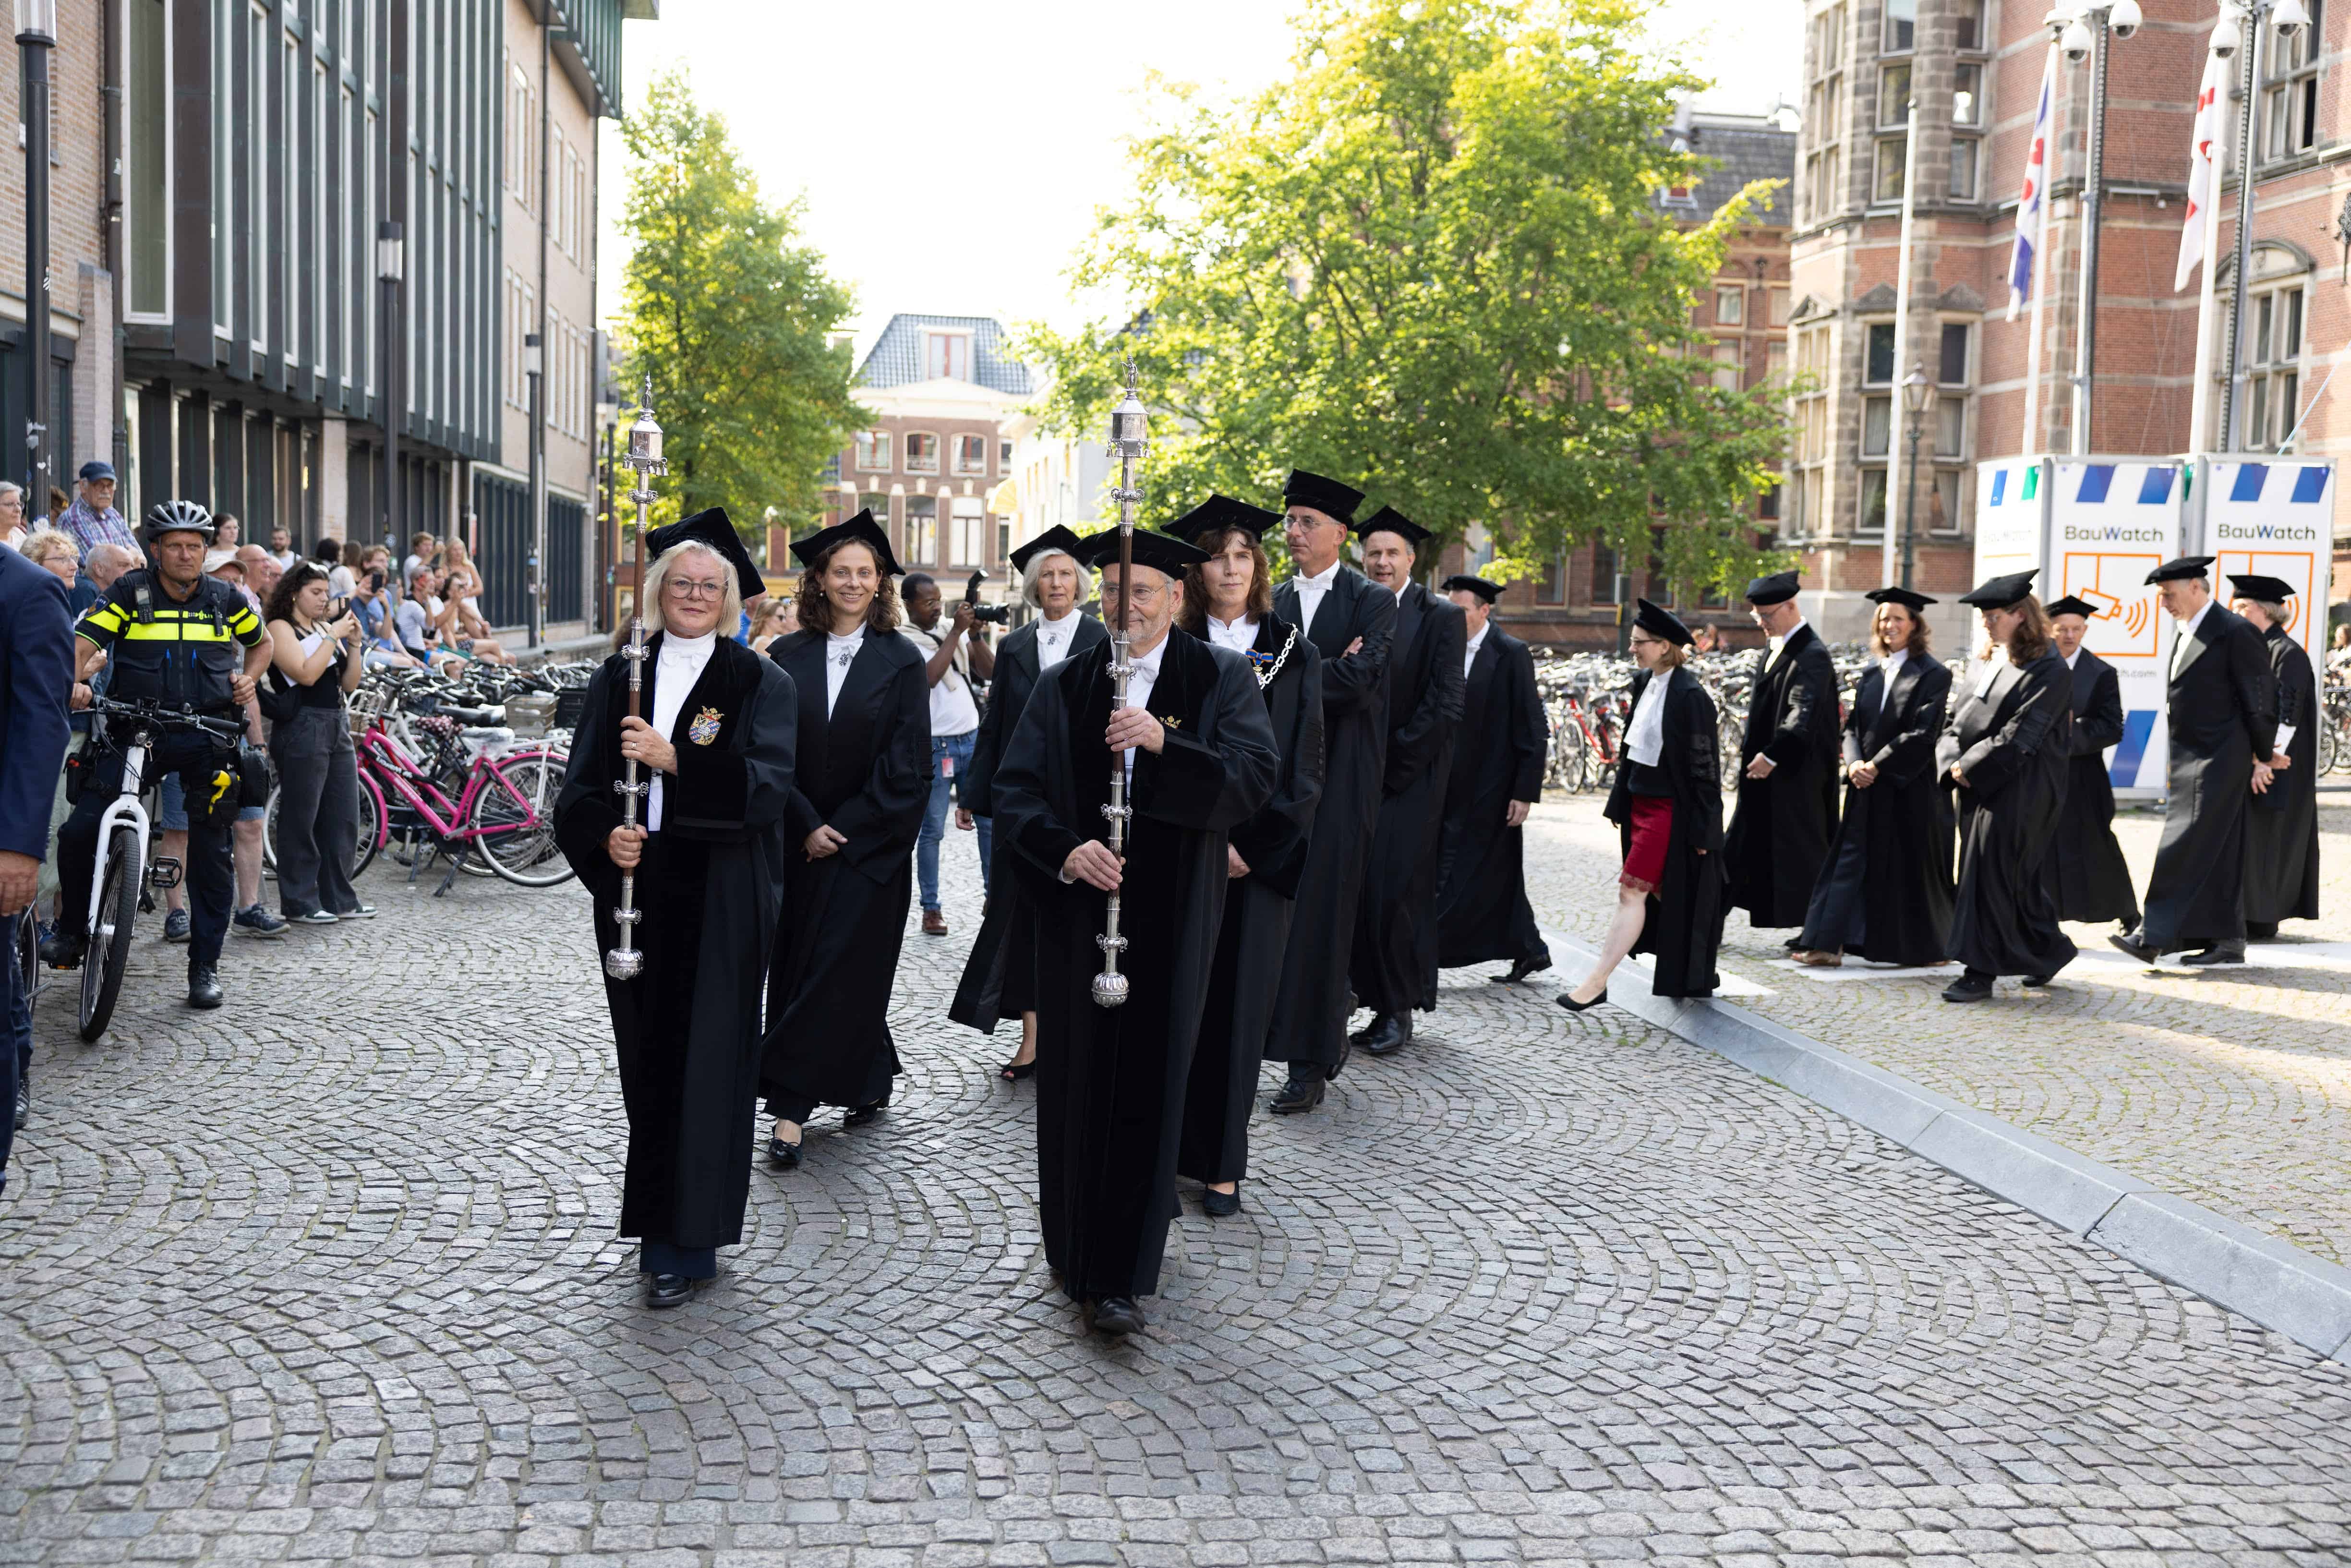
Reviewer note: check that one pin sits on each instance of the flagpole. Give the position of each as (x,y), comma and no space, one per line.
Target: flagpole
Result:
(2034,334)
(1895,471)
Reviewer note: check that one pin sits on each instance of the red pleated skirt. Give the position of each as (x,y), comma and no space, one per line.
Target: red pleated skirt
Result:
(1653,830)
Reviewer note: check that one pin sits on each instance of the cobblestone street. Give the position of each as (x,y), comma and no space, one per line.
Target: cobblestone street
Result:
(329,1276)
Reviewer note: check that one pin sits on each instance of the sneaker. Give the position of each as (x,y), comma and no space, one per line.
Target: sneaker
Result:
(64,949)
(257,922)
(316,917)
(175,926)
(364,912)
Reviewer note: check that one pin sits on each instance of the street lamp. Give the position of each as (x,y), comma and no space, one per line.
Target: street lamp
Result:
(2286,18)
(36,35)
(391,263)
(2082,33)
(1916,391)
(532,366)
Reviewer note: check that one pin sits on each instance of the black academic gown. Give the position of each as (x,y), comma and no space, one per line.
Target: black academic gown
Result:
(2222,704)
(1221,1093)
(1682,928)
(2014,743)
(1111,1082)
(1310,1014)
(2281,826)
(1393,963)
(2087,873)
(708,889)
(1780,833)
(1885,893)
(1482,912)
(864,770)
(1000,974)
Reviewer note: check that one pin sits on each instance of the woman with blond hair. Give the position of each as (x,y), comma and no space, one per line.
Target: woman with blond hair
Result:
(2005,751)
(1885,892)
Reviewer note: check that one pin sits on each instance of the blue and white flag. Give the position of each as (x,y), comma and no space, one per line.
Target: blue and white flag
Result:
(2021,260)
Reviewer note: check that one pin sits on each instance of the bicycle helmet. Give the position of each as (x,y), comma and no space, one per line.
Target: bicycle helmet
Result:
(179,518)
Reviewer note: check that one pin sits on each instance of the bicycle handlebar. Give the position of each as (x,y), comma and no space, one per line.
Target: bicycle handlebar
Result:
(154,712)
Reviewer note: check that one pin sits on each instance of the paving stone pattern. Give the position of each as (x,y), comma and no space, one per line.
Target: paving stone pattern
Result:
(2228,1086)
(330,1275)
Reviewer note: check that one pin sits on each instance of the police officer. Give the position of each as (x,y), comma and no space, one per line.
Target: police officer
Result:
(173,637)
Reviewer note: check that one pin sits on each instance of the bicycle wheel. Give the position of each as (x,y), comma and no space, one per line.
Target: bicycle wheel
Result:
(1574,757)
(110,945)
(2333,753)
(515,822)
(27,956)
(371,829)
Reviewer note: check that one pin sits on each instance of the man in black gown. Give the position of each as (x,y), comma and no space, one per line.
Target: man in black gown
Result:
(2086,870)
(2222,704)
(1351,623)
(2281,830)
(1483,916)
(1779,831)
(1111,1081)
(1394,967)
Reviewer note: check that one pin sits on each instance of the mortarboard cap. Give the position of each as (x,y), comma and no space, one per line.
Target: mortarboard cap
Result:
(2069,606)
(2000,593)
(1160,552)
(2269,589)
(1387,519)
(2178,570)
(712,528)
(1661,622)
(1217,514)
(1776,589)
(1055,538)
(1328,496)
(1914,602)
(1464,583)
(861,529)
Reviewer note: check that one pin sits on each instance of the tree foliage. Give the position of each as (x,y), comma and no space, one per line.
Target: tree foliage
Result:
(732,316)
(1433,263)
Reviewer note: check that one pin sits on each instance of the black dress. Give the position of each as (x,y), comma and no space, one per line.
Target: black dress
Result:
(2012,739)
(1393,963)
(2281,826)
(1885,892)
(1483,915)
(1682,930)
(708,889)
(2222,704)
(864,770)
(2087,873)
(1111,1082)
(1222,1091)
(1779,831)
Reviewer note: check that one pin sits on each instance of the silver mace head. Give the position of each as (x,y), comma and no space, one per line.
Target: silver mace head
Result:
(645,436)
(624,963)
(1110,990)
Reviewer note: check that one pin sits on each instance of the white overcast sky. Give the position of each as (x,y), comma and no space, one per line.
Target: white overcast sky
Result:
(952,155)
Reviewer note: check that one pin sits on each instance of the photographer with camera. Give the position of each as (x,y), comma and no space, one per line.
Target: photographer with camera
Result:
(949,662)
(316,642)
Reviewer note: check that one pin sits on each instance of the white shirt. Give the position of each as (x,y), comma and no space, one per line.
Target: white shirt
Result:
(953,711)
(2186,632)
(1780,644)
(287,558)
(1990,672)
(1645,738)
(679,666)
(1469,649)
(2071,656)
(1891,663)
(1138,689)
(840,653)
(1239,634)
(1053,640)
(1310,593)
(339,581)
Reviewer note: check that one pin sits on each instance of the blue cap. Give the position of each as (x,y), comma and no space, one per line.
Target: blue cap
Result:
(95,469)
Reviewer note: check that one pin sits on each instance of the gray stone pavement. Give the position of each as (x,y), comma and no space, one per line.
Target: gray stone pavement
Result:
(330,1275)
(2230,1087)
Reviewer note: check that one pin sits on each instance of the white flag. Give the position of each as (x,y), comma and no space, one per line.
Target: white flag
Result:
(2203,151)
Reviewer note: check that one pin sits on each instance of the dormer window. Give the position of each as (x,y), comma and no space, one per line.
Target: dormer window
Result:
(946,356)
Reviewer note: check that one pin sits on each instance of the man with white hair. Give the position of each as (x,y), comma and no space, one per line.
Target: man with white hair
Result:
(1200,757)
(998,979)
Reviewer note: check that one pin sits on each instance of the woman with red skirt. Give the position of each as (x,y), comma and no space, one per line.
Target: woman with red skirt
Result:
(1667,807)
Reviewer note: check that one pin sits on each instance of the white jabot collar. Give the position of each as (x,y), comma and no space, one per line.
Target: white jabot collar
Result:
(1058,622)
(681,649)
(1322,579)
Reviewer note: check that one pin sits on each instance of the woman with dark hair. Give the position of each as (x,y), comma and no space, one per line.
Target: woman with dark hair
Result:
(1885,893)
(861,779)
(1667,806)
(315,664)
(1228,603)
(2005,749)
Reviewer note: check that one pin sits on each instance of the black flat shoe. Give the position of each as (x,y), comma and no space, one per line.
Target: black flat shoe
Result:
(1520,970)
(1014,1072)
(863,1114)
(1218,1205)
(1300,1095)
(1117,1315)
(784,1157)
(2131,944)
(2219,953)
(2037,981)
(1389,1033)
(1567,999)
(1967,988)
(668,1290)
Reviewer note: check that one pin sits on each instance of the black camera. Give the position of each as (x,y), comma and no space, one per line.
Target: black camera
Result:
(994,615)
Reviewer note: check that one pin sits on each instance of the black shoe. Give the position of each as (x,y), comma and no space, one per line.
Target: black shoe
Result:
(2219,953)
(1567,999)
(1117,1315)
(1793,943)
(2037,981)
(668,1291)
(203,986)
(64,949)
(1220,1204)
(1014,1072)
(1300,1095)
(1969,987)
(784,1157)
(1389,1033)
(1521,970)
(2135,944)
(24,1103)
(863,1114)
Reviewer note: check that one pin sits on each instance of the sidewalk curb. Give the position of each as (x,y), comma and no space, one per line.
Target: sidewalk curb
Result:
(2232,1265)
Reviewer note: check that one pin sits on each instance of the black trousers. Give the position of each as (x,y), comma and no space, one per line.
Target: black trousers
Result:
(211,879)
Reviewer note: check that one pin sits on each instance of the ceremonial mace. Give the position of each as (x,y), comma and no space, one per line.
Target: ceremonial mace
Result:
(1127,444)
(625,961)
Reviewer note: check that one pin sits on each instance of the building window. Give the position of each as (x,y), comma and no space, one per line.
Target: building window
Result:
(522,136)
(1775,360)
(1551,589)
(1730,365)
(1604,575)
(1730,306)
(147,109)
(873,501)
(1967,95)
(1823,129)
(1901,26)
(922,452)
(969,539)
(1891,152)
(224,248)
(1951,365)
(1966,154)
(1824,182)
(970,457)
(946,356)
(1766,507)
(1967,23)
(1873,501)
(1951,426)
(1876,425)
(256,195)
(1004,458)
(1779,308)
(2290,89)
(873,452)
(1877,368)
(923,530)
(2273,387)
(1894,96)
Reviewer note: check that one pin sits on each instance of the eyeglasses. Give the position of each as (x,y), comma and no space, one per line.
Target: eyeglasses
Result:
(688,587)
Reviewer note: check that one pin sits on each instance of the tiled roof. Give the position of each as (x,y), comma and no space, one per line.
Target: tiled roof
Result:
(896,359)
(1743,149)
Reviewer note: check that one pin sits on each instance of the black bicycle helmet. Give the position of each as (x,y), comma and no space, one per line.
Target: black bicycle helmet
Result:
(179,518)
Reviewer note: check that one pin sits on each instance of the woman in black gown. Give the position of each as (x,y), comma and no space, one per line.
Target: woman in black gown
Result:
(856,809)
(1667,807)
(1885,892)
(2005,750)
(2281,827)
(1228,603)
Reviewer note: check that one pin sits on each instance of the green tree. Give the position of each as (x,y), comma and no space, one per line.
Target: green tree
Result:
(732,315)
(1433,262)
